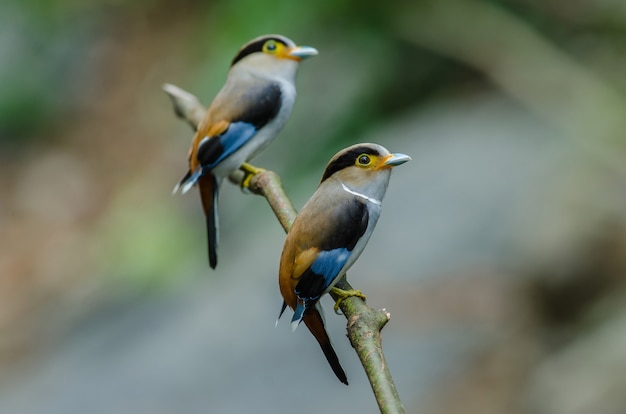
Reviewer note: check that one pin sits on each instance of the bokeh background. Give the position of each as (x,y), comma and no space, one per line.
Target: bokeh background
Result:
(501,251)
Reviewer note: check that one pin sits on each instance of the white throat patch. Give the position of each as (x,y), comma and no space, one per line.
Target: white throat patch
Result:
(370,199)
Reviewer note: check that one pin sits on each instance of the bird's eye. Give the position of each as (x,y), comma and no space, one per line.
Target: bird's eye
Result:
(364,159)
(270,46)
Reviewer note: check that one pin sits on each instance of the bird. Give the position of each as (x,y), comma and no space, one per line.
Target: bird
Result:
(330,233)
(244,117)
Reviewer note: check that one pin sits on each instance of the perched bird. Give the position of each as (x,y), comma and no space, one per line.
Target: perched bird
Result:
(330,233)
(245,116)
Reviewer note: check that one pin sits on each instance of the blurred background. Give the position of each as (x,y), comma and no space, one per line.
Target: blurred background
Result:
(501,251)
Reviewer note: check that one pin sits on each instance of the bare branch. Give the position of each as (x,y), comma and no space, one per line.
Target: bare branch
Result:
(364,323)
(186,106)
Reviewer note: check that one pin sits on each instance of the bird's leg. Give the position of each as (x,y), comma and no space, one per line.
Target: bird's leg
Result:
(249,172)
(345,294)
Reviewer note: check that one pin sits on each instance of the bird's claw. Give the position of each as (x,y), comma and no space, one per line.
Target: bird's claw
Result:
(345,294)
(249,171)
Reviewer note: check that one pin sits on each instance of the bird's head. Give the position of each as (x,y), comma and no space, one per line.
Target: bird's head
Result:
(364,168)
(273,55)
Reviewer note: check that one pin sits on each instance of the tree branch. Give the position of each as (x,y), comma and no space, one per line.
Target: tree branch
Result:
(364,323)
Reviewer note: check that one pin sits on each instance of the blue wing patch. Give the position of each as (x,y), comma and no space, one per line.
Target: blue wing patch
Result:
(329,263)
(317,278)
(214,150)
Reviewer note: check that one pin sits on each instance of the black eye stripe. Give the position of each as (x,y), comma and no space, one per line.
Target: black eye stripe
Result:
(256,46)
(347,160)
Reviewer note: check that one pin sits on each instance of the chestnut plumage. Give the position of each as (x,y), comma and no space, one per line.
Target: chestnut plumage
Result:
(330,233)
(245,116)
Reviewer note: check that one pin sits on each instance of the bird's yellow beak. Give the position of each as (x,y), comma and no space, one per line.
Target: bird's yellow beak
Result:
(300,52)
(396,159)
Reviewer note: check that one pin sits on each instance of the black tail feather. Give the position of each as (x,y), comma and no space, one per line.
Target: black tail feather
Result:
(315,323)
(282,309)
(209,194)
(333,360)
(212,239)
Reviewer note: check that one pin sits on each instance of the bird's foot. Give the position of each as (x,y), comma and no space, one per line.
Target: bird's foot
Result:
(345,294)
(249,171)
